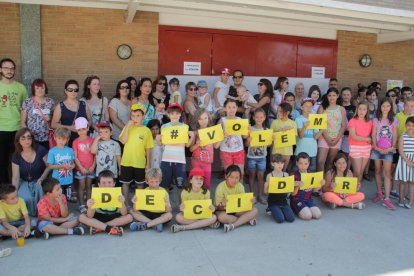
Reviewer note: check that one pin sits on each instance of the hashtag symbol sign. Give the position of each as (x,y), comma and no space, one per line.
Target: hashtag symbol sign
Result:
(174,134)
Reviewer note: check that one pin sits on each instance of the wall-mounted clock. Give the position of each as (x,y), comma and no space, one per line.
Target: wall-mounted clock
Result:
(365,60)
(124,51)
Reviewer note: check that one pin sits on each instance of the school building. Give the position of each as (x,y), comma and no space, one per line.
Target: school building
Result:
(354,41)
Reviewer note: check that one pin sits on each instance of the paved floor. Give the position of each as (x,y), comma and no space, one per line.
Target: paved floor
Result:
(342,242)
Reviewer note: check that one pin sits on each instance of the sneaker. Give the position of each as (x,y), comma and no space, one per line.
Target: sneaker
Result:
(395,194)
(138,226)
(268,212)
(379,197)
(37,234)
(79,231)
(262,200)
(401,204)
(159,227)
(253,222)
(359,205)
(407,205)
(228,227)
(93,231)
(116,231)
(83,209)
(332,205)
(177,228)
(4,252)
(387,203)
(215,225)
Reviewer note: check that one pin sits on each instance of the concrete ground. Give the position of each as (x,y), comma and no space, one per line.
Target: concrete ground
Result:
(342,242)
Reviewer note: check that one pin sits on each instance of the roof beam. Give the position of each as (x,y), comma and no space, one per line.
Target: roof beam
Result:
(394,37)
(131,10)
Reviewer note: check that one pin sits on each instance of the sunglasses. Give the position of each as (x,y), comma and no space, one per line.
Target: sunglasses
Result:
(193,89)
(393,96)
(124,87)
(23,138)
(161,83)
(237,77)
(72,90)
(260,84)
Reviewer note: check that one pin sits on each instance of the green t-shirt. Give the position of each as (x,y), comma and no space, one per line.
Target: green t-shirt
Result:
(12,96)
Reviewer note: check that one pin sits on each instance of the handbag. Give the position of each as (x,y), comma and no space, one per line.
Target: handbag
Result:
(50,134)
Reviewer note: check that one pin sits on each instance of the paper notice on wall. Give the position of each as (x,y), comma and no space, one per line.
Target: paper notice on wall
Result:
(394,83)
(318,72)
(192,68)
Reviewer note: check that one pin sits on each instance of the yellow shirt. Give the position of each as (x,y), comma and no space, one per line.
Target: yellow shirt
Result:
(13,212)
(167,201)
(401,117)
(278,125)
(194,196)
(139,139)
(223,191)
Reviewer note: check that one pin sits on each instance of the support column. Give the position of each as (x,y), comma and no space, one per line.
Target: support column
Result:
(30,43)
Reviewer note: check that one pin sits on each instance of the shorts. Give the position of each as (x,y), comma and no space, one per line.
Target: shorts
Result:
(20,222)
(173,173)
(360,151)
(256,164)
(131,174)
(376,155)
(230,158)
(151,215)
(106,217)
(298,205)
(42,224)
(345,144)
(79,176)
(322,144)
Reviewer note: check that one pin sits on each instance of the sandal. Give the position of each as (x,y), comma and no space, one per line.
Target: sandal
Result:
(359,205)
(215,225)
(253,222)
(4,252)
(228,227)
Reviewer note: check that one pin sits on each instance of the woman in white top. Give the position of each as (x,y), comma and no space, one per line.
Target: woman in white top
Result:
(96,102)
(119,108)
(281,87)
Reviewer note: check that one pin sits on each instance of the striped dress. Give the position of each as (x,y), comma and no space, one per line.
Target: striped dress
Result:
(403,171)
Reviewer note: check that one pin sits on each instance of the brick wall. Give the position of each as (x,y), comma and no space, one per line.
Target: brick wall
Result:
(389,61)
(77,42)
(10,34)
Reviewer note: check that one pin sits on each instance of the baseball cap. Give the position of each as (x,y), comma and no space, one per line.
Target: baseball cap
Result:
(104,124)
(202,83)
(225,70)
(171,105)
(138,106)
(197,172)
(81,122)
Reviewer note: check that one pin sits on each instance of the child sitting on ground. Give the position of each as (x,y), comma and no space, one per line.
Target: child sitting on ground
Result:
(109,220)
(149,219)
(14,217)
(54,217)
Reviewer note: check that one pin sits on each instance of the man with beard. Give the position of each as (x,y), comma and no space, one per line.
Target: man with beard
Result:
(237,82)
(12,95)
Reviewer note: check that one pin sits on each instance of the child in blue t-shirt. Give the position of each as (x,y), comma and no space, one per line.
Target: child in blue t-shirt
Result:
(61,160)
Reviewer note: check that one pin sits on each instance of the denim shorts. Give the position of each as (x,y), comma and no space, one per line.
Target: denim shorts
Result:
(20,222)
(256,164)
(45,223)
(376,155)
(78,175)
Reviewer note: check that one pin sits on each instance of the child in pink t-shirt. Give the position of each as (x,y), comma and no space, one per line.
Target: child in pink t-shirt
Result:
(84,160)
(360,128)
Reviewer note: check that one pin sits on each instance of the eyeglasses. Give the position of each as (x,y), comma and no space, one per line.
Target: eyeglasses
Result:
(72,90)
(161,83)
(193,89)
(28,137)
(11,69)
(124,87)
(260,84)
(393,96)
(237,77)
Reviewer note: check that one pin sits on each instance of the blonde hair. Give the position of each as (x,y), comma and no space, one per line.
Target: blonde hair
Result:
(154,173)
(62,132)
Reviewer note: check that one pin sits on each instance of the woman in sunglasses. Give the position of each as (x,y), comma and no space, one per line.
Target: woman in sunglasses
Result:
(392,94)
(160,97)
(69,109)
(263,98)
(190,102)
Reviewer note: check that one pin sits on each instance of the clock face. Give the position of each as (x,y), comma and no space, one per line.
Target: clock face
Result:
(124,51)
(365,60)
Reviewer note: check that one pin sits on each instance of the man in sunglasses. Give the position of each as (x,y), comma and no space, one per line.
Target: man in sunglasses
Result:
(12,95)
(237,82)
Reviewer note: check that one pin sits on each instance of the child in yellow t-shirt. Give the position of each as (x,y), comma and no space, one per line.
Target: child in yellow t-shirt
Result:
(14,217)
(231,186)
(195,190)
(136,157)
(149,219)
